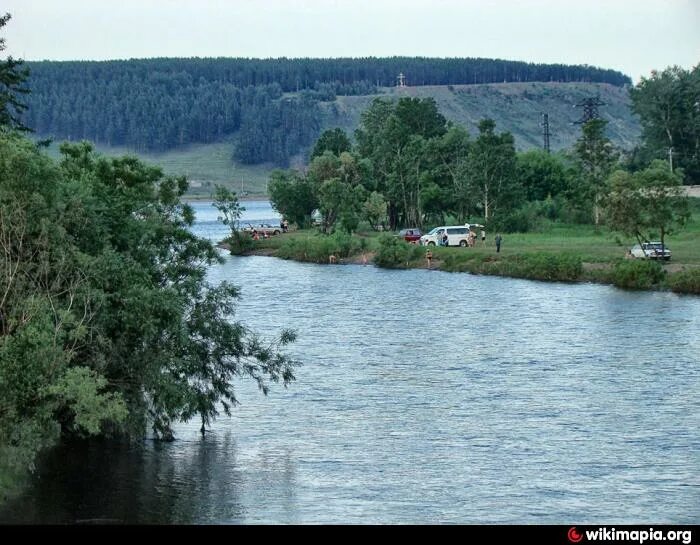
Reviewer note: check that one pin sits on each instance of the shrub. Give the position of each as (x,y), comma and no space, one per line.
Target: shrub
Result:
(396,253)
(637,274)
(240,242)
(539,266)
(687,281)
(527,218)
(318,248)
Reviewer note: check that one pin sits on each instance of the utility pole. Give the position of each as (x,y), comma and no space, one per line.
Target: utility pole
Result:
(545,131)
(590,109)
(401,80)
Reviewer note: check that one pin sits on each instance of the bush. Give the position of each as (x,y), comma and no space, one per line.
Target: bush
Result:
(240,242)
(637,274)
(318,248)
(396,253)
(527,218)
(687,281)
(539,267)
(550,267)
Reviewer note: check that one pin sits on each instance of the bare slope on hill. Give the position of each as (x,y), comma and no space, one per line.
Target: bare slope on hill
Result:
(516,107)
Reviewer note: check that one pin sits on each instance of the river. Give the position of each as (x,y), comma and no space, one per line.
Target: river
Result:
(424,397)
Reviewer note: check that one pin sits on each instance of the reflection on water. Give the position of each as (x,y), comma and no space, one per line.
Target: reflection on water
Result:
(424,397)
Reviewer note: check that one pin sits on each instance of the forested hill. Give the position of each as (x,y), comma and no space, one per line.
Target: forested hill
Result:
(275,107)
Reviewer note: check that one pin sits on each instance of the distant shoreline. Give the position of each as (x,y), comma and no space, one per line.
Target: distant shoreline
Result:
(201,198)
(589,272)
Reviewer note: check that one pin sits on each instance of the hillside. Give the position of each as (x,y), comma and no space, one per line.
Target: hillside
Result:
(515,107)
(272,107)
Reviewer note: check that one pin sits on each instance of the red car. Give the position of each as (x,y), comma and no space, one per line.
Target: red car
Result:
(411,235)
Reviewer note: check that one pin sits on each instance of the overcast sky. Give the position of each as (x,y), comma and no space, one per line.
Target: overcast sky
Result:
(634,36)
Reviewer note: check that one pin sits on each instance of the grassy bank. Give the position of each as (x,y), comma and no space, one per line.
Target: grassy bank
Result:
(568,253)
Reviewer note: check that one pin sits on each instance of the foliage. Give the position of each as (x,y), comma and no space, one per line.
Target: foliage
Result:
(687,281)
(639,274)
(668,104)
(595,156)
(12,76)
(333,140)
(535,266)
(293,196)
(107,322)
(491,170)
(394,138)
(341,194)
(394,252)
(319,248)
(648,202)
(274,130)
(374,209)
(226,202)
(541,174)
(526,218)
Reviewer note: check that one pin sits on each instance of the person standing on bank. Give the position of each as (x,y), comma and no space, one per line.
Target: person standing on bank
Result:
(498,240)
(483,237)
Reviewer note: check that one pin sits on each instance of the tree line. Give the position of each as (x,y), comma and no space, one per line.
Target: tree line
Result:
(410,167)
(158,104)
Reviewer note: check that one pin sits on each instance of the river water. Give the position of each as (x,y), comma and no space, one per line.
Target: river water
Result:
(424,397)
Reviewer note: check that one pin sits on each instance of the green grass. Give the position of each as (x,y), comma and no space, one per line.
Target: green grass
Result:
(208,164)
(561,252)
(591,244)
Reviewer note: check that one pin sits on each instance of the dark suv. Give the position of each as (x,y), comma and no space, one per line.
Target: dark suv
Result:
(410,235)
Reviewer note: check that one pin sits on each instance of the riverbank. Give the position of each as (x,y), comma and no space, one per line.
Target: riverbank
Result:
(561,254)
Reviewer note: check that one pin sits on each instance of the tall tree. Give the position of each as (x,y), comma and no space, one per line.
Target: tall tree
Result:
(446,189)
(333,140)
(668,105)
(228,205)
(541,174)
(12,78)
(339,187)
(491,170)
(293,195)
(596,157)
(394,136)
(648,203)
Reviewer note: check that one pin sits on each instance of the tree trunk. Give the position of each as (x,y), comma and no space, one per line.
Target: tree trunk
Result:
(486,202)
(596,210)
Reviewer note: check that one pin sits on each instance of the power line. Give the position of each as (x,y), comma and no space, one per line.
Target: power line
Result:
(590,109)
(545,132)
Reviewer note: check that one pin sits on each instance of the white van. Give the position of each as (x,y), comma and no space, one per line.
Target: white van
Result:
(456,236)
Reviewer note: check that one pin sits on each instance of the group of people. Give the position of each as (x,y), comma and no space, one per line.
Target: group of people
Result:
(443,239)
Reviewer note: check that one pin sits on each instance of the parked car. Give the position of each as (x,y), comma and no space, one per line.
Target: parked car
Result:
(410,235)
(262,229)
(651,250)
(456,236)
